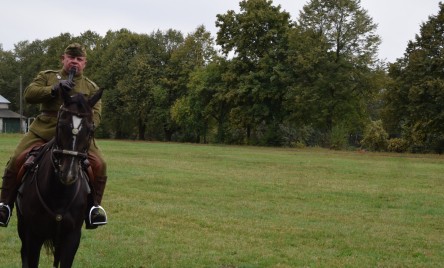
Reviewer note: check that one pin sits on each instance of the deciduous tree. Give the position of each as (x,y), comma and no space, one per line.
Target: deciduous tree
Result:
(335,71)
(256,38)
(415,100)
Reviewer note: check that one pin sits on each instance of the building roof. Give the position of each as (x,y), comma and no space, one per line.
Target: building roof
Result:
(9,114)
(3,100)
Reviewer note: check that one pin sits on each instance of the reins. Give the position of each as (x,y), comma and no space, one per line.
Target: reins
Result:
(55,151)
(58,217)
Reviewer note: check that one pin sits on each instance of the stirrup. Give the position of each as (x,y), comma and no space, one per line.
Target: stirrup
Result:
(103,220)
(4,224)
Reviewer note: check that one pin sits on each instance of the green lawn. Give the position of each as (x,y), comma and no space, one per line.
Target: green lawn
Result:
(186,205)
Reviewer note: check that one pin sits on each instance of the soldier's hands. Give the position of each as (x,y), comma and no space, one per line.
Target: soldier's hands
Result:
(65,85)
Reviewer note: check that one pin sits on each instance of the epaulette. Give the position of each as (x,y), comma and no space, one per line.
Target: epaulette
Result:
(50,71)
(89,80)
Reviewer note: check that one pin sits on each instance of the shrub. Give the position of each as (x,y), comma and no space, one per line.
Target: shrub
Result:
(294,135)
(375,137)
(397,145)
(338,137)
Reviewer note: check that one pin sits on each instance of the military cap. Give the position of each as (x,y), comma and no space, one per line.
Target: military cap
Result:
(76,50)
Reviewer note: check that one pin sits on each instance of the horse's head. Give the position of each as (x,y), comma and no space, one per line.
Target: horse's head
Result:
(75,128)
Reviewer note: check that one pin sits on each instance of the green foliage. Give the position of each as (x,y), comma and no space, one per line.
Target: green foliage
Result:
(334,48)
(9,79)
(278,82)
(189,62)
(257,37)
(347,28)
(339,137)
(295,136)
(375,137)
(137,91)
(397,145)
(415,99)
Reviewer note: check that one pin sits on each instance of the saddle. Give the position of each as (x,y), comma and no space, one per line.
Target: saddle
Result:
(29,159)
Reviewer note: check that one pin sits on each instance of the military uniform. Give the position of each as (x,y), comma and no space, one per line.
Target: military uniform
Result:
(43,128)
(40,90)
(44,125)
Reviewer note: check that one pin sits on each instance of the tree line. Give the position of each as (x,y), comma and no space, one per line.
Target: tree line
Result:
(265,79)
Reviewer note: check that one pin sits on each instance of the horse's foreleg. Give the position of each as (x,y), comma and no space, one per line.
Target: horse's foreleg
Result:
(23,250)
(68,248)
(30,252)
(23,237)
(24,255)
(56,257)
(31,246)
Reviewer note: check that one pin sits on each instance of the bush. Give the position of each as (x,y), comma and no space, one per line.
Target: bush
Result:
(397,145)
(338,137)
(375,137)
(294,135)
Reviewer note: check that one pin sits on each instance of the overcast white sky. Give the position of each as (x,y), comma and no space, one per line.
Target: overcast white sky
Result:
(398,20)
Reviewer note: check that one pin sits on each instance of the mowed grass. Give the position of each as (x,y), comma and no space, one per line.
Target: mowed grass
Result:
(186,205)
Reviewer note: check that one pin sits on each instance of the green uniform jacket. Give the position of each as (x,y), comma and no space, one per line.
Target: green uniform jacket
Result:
(39,92)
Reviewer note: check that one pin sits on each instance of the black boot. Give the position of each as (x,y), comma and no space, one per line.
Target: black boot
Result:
(7,197)
(97,215)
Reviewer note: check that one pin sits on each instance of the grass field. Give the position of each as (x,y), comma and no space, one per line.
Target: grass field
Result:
(185,205)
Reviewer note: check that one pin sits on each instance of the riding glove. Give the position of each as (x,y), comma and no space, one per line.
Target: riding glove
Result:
(66,85)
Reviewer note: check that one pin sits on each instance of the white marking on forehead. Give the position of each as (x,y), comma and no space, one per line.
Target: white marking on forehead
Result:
(76,121)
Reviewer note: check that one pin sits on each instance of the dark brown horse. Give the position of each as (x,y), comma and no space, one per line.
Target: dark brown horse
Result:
(52,201)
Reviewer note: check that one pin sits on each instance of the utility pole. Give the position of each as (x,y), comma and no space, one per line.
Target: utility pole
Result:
(21,109)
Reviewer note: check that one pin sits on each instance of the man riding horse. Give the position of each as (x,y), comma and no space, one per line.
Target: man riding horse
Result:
(44,90)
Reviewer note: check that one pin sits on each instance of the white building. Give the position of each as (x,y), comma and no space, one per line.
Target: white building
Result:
(9,120)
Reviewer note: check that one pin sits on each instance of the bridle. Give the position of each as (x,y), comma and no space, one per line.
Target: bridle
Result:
(77,122)
(56,154)
(75,125)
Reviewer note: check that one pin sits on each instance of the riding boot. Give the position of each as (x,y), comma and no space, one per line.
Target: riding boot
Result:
(97,215)
(8,195)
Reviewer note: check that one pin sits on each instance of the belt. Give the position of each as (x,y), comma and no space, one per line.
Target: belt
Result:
(50,113)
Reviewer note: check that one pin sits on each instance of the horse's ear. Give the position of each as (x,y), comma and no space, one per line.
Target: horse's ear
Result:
(95,98)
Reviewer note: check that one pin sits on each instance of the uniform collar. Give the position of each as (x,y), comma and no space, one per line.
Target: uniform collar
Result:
(63,73)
